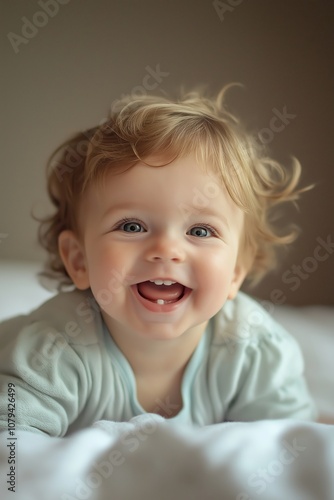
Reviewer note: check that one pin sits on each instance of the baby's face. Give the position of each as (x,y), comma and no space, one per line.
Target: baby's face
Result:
(160,248)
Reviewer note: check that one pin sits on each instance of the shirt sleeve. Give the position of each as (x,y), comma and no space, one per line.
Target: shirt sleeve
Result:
(48,376)
(271,384)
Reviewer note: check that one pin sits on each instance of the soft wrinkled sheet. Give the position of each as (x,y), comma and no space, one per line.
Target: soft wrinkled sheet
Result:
(152,459)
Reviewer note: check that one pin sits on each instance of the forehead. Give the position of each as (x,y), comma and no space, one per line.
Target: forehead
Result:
(182,178)
(181,174)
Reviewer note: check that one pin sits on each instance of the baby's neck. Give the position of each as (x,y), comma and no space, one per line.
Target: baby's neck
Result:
(159,378)
(161,395)
(158,367)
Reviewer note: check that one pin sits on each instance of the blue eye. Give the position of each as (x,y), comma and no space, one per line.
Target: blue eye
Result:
(201,232)
(132,227)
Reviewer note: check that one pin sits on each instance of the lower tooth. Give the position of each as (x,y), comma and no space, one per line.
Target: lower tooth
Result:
(160,301)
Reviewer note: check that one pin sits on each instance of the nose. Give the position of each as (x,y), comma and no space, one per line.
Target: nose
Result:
(165,248)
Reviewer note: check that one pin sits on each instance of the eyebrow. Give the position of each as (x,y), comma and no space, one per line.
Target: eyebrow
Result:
(212,213)
(121,206)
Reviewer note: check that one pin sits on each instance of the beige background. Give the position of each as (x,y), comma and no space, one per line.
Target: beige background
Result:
(65,76)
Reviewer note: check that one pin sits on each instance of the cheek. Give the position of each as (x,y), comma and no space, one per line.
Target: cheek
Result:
(101,252)
(217,266)
(215,275)
(112,267)
(106,275)
(103,262)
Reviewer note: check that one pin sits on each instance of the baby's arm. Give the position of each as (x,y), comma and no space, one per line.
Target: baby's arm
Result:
(46,377)
(272,384)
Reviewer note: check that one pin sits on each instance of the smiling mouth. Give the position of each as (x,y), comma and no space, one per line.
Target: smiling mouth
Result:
(161,293)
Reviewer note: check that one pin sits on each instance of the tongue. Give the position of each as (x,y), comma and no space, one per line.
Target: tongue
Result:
(153,292)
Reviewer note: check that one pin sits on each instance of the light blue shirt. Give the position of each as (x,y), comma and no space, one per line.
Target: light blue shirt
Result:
(69,373)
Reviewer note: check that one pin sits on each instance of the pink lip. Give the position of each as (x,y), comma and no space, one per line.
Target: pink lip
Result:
(154,307)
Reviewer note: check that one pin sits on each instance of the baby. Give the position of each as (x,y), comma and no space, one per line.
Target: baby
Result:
(161,213)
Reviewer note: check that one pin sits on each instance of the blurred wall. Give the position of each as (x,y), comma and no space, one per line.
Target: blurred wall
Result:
(66,61)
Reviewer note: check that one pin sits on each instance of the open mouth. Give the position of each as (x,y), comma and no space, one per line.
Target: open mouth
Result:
(161,291)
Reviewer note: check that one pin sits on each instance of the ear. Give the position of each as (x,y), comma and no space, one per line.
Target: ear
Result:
(240,273)
(72,255)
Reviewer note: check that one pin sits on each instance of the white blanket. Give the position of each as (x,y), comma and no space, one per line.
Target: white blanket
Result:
(152,459)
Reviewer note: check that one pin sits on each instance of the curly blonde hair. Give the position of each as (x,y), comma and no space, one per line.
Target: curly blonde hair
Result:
(138,128)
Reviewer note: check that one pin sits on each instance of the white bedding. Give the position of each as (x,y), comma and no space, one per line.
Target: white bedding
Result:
(152,459)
